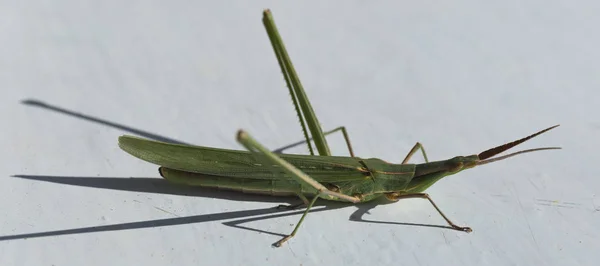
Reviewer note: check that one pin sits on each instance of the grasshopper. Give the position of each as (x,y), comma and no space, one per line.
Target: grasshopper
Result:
(339,178)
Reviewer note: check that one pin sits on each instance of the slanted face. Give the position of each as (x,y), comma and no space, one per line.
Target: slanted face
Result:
(460,163)
(428,174)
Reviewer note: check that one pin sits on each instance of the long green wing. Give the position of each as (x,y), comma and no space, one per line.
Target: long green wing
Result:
(242,164)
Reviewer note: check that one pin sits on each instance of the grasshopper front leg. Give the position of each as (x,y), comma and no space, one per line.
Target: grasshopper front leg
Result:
(319,190)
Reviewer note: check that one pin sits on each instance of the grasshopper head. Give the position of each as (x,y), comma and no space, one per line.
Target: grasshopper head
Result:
(460,163)
(428,173)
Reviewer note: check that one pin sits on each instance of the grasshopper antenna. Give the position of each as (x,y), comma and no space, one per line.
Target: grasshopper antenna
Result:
(483,156)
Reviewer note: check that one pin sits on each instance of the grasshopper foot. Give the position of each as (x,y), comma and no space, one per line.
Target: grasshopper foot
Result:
(464,229)
(283,240)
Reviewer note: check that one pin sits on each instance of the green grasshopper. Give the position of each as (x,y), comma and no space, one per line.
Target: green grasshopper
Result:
(338,178)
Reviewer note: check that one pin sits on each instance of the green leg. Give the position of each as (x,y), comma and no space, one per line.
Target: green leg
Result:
(413,151)
(344,132)
(286,238)
(347,138)
(301,103)
(317,188)
(395,197)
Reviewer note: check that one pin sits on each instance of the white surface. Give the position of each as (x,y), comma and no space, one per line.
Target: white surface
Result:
(459,76)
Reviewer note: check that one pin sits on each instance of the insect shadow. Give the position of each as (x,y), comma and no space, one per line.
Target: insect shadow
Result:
(142,133)
(161,186)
